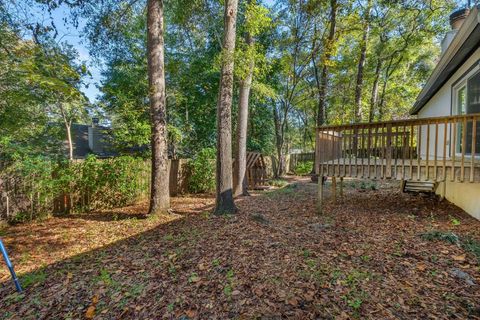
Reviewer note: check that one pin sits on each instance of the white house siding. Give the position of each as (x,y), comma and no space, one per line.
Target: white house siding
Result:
(465,195)
(440,105)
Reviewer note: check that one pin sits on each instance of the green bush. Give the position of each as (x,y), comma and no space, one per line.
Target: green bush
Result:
(202,171)
(34,184)
(304,168)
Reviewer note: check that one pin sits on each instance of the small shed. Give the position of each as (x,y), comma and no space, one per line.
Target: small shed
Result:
(256,170)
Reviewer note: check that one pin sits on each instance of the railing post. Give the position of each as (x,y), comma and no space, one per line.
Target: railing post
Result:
(388,153)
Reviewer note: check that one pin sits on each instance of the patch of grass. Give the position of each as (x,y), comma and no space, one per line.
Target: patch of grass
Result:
(14,297)
(306,253)
(33,278)
(467,243)
(215,262)
(193,277)
(25,257)
(287,190)
(228,287)
(365,258)
(454,221)
(277,183)
(473,246)
(440,235)
(172,269)
(370,185)
(168,237)
(105,277)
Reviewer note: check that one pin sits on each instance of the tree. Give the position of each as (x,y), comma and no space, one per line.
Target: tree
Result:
(361,63)
(41,86)
(240,187)
(160,194)
(256,20)
(322,81)
(224,200)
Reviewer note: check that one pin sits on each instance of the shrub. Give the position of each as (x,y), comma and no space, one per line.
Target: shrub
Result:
(34,183)
(304,168)
(202,169)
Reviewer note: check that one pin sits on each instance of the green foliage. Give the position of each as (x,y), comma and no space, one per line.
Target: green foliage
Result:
(91,184)
(278,183)
(440,235)
(467,243)
(368,185)
(455,221)
(304,168)
(29,279)
(473,246)
(202,168)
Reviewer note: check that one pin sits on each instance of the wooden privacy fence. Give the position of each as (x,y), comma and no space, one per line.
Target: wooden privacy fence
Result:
(433,149)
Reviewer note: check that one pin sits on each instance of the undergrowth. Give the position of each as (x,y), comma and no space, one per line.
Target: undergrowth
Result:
(466,243)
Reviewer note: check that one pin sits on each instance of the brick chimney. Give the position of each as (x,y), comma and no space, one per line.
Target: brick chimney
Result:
(456,21)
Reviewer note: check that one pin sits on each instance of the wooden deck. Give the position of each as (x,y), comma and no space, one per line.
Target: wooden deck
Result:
(429,149)
(402,169)
(435,149)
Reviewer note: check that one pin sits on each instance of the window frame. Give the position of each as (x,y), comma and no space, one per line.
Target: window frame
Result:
(462,82)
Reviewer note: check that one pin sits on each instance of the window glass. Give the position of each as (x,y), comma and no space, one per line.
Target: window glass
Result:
(473,106)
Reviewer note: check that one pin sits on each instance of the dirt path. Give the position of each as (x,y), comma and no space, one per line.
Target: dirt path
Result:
(375,254)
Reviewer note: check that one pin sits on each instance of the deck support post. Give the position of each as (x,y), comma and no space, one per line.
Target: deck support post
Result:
(444,189)
(341,188)
(320,195)
(334,189)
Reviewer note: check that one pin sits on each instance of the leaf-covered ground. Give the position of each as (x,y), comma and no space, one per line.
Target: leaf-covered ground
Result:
(377,254)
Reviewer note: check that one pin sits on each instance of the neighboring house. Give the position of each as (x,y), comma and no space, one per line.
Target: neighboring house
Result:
(91,139)
(454,89)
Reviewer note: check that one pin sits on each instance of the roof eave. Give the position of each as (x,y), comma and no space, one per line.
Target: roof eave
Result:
(463,44)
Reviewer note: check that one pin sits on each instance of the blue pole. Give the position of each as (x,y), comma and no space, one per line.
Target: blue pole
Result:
(10,267)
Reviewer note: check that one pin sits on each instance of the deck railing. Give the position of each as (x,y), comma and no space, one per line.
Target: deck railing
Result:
(435,149)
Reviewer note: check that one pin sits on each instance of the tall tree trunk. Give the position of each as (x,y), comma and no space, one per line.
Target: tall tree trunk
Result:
(323,83)
(224,200)
(361,65)
(240,179)
(160,194)
(374,97)
(279,142)
(381,104)
(68,128)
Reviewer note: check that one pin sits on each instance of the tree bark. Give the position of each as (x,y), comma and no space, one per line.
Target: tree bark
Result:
(323,83)
(224,200)
(68,128)
(361,65)
(240,179)
(374,97)
(279,142)
(160,195)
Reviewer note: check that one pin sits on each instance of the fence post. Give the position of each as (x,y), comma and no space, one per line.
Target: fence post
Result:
(320,194)
(388,155)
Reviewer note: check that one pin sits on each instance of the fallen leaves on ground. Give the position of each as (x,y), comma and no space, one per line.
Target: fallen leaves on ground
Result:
(364,258)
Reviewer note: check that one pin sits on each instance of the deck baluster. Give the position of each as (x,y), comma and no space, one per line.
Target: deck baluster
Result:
(444,162)
(463,147)
(435,152)
(454,149)
(473,151)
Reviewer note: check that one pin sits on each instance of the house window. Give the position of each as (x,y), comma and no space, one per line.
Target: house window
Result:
(467,101)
